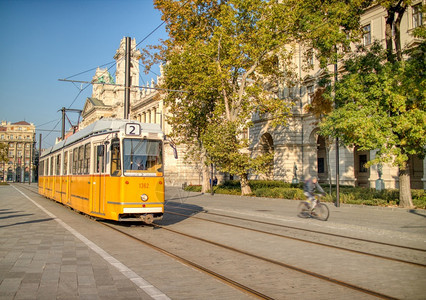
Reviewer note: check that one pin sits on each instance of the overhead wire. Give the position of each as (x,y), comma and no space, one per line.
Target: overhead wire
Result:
(44,139)
(47,123)
(114,63)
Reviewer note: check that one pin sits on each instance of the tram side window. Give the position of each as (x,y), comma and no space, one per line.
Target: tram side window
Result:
(52,161)
(86,161)
(80,159)
(58,165)
(115,158)
(99,159)
(75,161)
(65,163)
(41,168)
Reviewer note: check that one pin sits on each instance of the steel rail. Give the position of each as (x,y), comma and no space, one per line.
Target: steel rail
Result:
(303,229)
(305,241)
(288,266)
(185,261)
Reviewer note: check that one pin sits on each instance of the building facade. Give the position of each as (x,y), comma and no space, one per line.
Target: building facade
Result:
(20,140)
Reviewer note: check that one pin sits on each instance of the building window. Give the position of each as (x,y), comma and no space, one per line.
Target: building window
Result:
(362,162)
(310,91)
(310,58)
(366,38)
(321,165)
(245,134)
(417,16)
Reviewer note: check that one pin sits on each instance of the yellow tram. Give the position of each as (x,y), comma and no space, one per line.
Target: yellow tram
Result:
(111,169)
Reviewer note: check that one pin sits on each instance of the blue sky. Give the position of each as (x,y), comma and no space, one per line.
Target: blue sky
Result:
(45,40)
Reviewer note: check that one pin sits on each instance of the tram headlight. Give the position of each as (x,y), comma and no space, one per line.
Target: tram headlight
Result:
(144,197)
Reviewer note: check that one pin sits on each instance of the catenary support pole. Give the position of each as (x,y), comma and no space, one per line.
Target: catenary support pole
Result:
(127,78)
(337,141)
(63,123)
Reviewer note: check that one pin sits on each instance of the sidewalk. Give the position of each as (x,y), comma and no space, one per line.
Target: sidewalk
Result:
(42,259)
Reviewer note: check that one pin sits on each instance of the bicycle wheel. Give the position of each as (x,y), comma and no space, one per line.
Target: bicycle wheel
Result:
(321,212)
(303,210)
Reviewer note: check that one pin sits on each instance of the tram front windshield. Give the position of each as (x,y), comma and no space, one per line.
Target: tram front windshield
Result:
(142,157)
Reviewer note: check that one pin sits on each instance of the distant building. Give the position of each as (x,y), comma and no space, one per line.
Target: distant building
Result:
(20,138)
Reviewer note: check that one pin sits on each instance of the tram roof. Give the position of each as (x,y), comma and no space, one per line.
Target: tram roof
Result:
(98,127)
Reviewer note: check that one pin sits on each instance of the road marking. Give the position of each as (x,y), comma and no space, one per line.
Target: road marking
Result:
(135,278)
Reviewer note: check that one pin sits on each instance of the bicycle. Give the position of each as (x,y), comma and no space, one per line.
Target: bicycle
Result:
(320,211)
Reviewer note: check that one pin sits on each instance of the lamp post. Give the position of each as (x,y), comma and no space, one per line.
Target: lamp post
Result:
(337,140)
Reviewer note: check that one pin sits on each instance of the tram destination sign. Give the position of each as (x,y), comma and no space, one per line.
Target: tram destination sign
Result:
(133,129)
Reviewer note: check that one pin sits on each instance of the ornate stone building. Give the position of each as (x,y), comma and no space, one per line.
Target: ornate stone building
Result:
(19,138)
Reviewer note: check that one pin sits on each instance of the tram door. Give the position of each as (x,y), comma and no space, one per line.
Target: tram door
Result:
(99,180)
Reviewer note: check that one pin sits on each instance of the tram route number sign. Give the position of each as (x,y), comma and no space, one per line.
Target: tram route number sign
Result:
(133,129)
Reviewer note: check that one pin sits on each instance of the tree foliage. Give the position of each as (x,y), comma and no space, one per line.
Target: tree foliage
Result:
(3,153)
(381,96)
(381,106)
(327,26)
(228,56)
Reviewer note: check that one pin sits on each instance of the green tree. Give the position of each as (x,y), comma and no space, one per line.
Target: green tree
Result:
(329,27)
(383,96)
(3,153)
(382,107)
(228,56)
(401,82)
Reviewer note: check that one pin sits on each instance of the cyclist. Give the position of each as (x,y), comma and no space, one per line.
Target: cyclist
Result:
(311,185)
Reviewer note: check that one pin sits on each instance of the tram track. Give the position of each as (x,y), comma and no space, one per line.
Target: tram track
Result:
(304,240)
(192,264)
(236,284)
(297,228)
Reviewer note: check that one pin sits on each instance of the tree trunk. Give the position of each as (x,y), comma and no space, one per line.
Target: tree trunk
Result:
(404,187)
(245,188)
(388,36)
(205,187)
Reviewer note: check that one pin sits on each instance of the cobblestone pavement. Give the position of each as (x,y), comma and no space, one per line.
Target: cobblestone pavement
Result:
(50,252)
